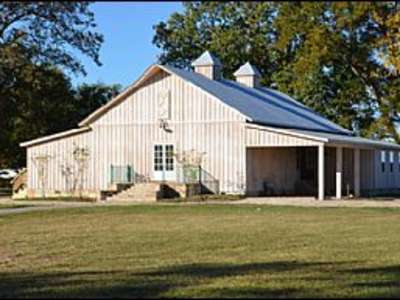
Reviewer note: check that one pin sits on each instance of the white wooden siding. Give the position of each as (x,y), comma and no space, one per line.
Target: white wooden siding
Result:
(386,179)
(125,136)
(274,166)
(258,136)
(59,154)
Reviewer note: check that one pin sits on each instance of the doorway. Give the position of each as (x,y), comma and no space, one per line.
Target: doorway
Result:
(164,168)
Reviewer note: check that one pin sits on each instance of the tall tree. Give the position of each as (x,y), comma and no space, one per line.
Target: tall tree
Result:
(42,99)
(336,57)
(50,104)
(89,97)
(37,40)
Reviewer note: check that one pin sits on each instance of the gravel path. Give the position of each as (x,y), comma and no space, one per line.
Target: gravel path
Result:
(281,201)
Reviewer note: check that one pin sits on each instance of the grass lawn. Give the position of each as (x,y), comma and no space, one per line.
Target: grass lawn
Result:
(201,251)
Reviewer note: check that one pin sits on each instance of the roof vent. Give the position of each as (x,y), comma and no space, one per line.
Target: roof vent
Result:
(248,75)
(208,65)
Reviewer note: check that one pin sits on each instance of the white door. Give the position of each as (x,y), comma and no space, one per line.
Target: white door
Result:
(164,162)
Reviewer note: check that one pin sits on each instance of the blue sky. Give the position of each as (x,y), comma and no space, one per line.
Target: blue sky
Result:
(128,32)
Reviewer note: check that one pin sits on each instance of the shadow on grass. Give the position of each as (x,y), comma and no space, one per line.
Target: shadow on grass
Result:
(170,281)
(387,277)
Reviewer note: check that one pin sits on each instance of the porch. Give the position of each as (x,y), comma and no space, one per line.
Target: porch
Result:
(321,171)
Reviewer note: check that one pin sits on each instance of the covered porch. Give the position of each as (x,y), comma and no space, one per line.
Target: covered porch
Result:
(308,171)
(291,162)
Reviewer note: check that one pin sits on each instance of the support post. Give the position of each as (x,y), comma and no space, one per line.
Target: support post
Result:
(339,171)
(321,172)
(357,172)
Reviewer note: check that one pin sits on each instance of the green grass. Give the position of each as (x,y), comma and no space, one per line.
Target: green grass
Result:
(201,251)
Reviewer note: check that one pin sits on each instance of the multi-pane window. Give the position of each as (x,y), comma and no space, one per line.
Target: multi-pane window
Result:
(163,157)
(169,157)
(391,160)
(158,158)
(383,160)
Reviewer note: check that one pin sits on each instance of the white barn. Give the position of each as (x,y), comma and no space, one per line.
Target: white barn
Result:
(252,140)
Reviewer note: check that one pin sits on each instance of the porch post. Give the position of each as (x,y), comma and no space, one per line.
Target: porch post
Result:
(321,173)
(339,170)
(357,172)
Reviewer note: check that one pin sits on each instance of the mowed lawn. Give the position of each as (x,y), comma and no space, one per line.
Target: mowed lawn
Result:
(201,251)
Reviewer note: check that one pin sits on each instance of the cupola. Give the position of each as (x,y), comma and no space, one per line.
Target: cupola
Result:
(208,65)
(248,75)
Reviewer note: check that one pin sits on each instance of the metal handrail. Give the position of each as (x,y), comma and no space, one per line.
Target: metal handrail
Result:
(121,174)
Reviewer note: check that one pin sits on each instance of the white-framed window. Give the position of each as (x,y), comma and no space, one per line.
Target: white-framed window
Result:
(383,160)
(391,160)
(158,158)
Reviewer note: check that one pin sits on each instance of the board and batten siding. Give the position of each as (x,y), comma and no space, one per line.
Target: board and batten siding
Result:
(257,136)
(387,179)
(125,135)
(60,155)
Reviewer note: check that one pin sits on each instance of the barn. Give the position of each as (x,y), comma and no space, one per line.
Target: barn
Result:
(174,127)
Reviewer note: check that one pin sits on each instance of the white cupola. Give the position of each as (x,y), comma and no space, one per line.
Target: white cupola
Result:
(248,75)
(208,65)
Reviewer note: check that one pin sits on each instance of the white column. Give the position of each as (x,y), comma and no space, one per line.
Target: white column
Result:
(321,173)
(356,172)
(339,170)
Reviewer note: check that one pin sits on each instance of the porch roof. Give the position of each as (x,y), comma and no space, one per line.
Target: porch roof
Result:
(332,138)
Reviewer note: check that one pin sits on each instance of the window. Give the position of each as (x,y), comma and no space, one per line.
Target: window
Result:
(398,155)
(164,158)
(158,158)
(391,160)
(169,157)
(383,160)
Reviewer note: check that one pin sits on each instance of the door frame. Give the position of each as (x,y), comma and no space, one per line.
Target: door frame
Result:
(153,172)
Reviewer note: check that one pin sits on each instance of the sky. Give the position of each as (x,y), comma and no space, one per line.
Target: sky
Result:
(128,32)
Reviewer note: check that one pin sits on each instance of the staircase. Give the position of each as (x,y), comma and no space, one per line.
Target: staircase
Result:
(140,192)
(19,185)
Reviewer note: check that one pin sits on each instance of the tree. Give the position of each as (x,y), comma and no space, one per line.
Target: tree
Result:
(37,40)
(75,174)
(42,102)
(89,97)
(336,57)
(48,31)
(38,104)
(235,32)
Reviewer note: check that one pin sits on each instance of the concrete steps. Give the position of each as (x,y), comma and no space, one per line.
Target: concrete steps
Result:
(140,192)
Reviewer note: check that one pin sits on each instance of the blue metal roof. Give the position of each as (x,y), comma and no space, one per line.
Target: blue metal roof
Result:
(262,105)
